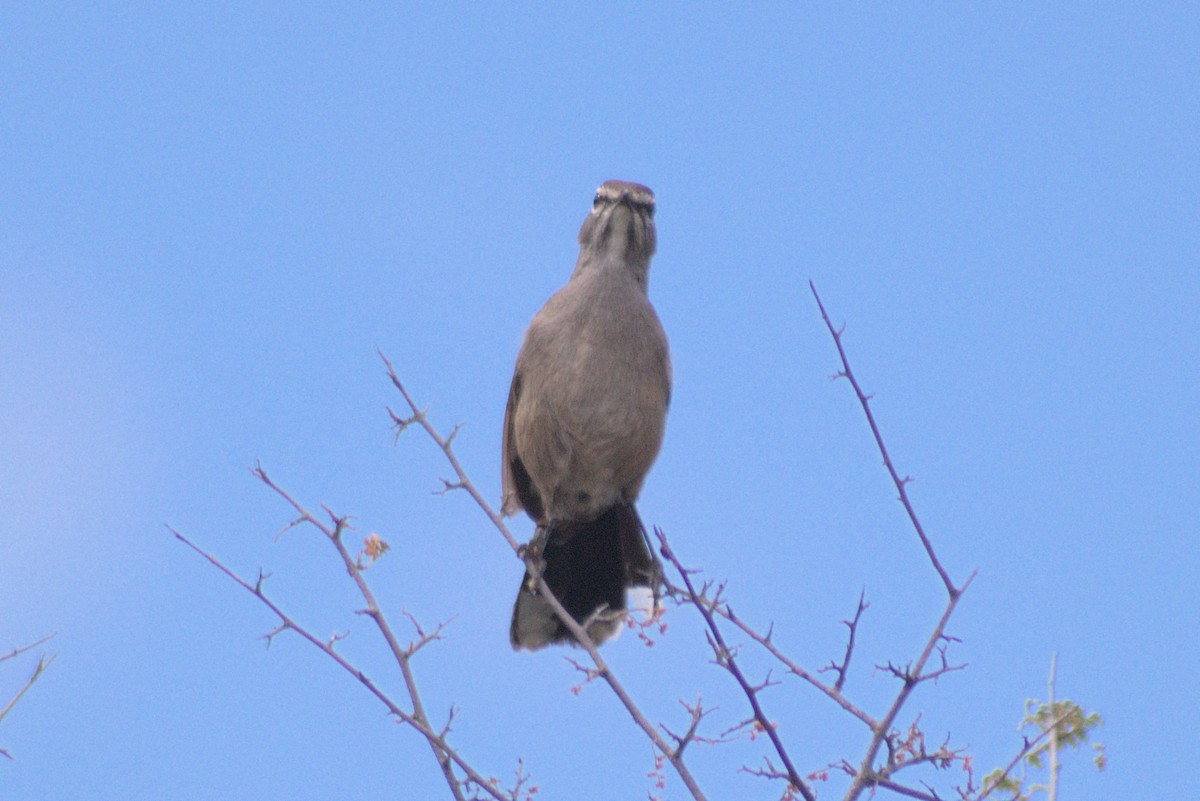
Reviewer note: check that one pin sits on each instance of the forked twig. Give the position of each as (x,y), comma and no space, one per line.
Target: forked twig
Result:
(417,415)
(334,535)
(866,774)
(726,658)
(841,668)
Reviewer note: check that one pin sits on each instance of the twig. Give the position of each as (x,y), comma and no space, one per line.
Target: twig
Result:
(900,483)
(416,719)
(464,482)
(901,789)
(23,648)
(334,536)
(865,775)
(793,667)
(1028,747)
(41,665)
(852,625)
(423,637)
(910,679)
(726,659)
(696,713)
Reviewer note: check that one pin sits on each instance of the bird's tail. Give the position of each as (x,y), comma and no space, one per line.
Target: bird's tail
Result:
(588,566)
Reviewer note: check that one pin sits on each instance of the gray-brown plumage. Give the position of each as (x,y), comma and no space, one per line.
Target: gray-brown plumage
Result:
(584,422)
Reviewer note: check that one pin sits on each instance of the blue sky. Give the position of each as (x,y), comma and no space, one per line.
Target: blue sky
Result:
(212,215)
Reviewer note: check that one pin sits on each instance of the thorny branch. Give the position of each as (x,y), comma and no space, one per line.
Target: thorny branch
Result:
(901,483)
(726,658)
(793,667)
(902,751)
(419,417)
(910,678)
(372,610)
(852,625)
(696,713)
(446,755)
(914,674)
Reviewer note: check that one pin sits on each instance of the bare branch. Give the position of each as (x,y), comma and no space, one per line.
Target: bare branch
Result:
(766,642)
(1028,747)
(696,713)
(334,535)
(915,673)
(423,637)
(904,790)
(23,648)
(418,416)
(794,667)
(726,658)
(910,681)
(900,483)
(520,780)
(445,754)
(852,624)
(41,665)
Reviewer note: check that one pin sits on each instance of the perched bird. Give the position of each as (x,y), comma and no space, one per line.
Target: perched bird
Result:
(584,422)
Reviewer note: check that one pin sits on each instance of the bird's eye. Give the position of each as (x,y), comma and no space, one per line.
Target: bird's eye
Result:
(650,210)
(596,201)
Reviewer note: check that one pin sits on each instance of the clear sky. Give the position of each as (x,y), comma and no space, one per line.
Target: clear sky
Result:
(211,216)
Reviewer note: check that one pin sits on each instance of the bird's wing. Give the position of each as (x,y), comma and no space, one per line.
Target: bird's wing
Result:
(517,491)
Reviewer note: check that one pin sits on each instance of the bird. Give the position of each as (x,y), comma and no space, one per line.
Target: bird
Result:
(584,422)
